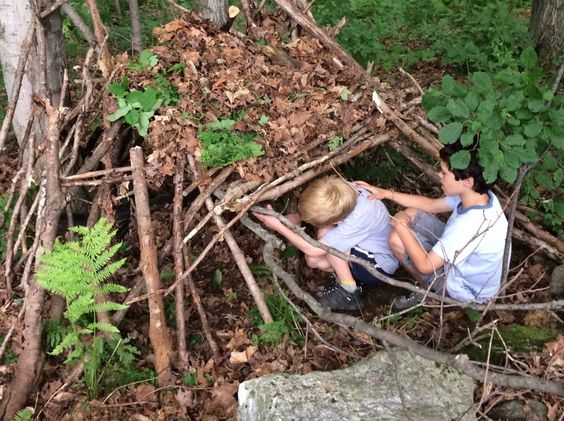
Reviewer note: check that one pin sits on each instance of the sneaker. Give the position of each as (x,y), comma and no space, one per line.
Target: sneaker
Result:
(336,298)
(407,301)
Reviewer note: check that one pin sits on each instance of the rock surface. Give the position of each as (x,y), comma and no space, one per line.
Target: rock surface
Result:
(516,410)
(557,282)
(384,386)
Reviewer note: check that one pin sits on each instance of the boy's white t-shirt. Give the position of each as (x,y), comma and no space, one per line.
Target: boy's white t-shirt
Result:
(472,246)
(368,227)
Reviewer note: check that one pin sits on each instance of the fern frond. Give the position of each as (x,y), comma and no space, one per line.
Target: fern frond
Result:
(109,306)
(70,340)
(111,288)
(104,327)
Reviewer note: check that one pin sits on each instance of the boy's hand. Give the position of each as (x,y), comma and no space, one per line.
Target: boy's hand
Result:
(269,221)
(376,192)
(401,218)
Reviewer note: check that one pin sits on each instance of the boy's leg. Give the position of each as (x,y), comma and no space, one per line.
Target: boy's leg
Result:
(343,294)
(427,228)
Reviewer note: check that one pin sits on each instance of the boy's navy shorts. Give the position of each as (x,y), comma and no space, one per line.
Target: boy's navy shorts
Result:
(360,274)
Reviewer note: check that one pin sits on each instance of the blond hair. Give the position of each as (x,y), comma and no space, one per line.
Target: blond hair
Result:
(326,201)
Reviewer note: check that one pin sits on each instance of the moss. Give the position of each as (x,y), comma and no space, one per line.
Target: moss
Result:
(518,339)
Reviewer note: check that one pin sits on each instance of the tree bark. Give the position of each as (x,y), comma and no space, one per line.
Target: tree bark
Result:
(30,359)
(547,29)
(158,332)
(214,10)
(136,41)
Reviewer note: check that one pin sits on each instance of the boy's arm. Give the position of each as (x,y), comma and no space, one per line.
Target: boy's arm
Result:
(425,262)
(275,225)
(423,203)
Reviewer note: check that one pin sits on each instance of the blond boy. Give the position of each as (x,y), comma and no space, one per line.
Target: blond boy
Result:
(348,221)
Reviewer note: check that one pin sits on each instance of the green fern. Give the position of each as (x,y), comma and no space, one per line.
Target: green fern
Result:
(78,270)
(25,414)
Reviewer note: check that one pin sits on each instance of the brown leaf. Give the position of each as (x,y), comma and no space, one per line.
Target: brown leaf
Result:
(184,398)
(145,393)
(238,339)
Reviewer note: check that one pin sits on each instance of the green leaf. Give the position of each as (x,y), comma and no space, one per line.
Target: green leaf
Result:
(460,160)
(473,315)
(515,140)
(119,89)
(345,94)
(119,113)
(471,101)
(482,82)
(143,99)
(132,117)
(217,278)
(263,120)
(533,129)
(557,116)
(536,105)
(458,108)
(529,58)
(450,133)
(448,85)
(439,114)
(509,174)
(467,138)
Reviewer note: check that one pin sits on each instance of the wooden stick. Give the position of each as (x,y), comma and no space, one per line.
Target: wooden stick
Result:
(238,256)
(158,332)
(177,230)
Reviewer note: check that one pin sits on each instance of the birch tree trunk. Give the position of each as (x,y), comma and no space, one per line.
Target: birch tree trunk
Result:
(15,18)
(547,29)
(214,10)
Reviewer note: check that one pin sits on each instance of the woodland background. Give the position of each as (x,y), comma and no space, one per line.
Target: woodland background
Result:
(133,284)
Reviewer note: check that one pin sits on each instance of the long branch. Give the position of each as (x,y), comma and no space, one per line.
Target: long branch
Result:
(460,362)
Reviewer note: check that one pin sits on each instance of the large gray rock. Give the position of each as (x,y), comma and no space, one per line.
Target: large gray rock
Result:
(368,390)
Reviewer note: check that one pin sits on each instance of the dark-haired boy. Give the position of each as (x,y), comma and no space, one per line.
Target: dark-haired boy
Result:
(464,255)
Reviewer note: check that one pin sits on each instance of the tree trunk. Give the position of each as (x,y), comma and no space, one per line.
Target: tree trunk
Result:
(136,42)
(547,29)
(214,10)
(15,18)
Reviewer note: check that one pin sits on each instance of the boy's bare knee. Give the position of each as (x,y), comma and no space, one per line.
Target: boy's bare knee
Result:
(395,243)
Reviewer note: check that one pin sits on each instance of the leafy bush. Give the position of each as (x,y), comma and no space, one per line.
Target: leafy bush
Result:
(516,118)
(221,146)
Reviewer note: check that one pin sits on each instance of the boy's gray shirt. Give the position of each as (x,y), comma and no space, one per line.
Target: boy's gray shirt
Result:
(367,227)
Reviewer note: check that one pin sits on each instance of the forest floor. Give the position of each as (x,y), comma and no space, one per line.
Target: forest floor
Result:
(530,342)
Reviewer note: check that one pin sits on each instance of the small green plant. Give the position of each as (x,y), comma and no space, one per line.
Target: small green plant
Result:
(285,322)
(217,278)
(335,143)
(145,60)
(25,414)
(78,270)
(231,296)
(135,107)
(222,146)
(9,357)
(190,380)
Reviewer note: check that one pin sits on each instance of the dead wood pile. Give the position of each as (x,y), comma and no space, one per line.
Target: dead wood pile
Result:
(307,96)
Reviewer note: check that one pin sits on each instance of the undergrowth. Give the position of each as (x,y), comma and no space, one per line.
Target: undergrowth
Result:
(78,270)
(471,36)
